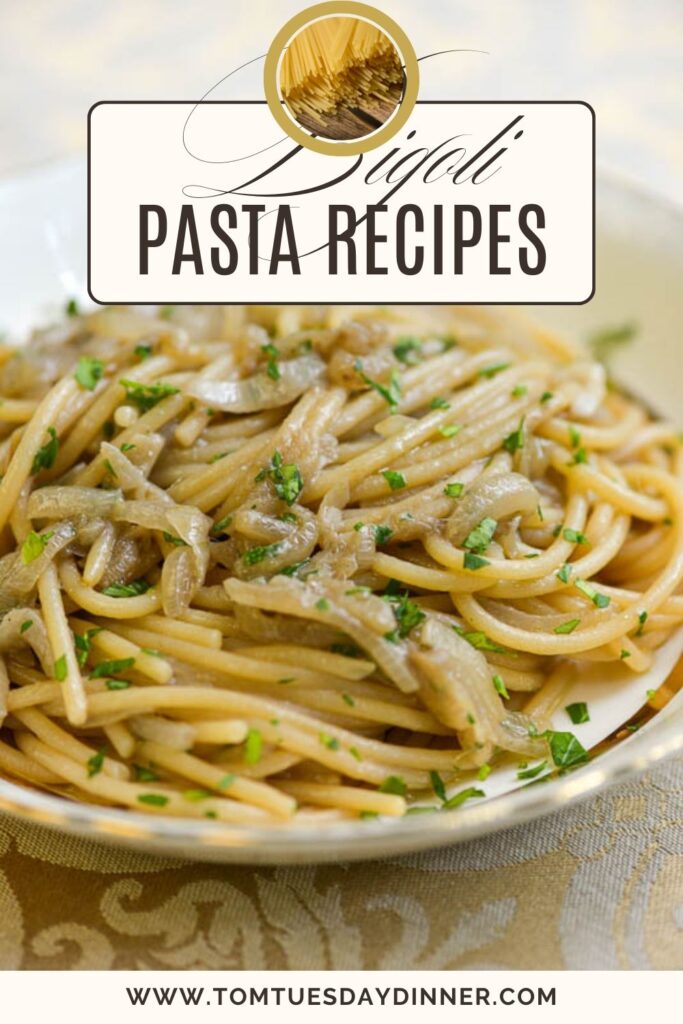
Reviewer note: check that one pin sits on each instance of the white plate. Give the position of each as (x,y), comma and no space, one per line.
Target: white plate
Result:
(639,267)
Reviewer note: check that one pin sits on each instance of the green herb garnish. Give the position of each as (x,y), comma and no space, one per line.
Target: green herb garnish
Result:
(111,668)
(391,393)
(578,712)
(253,746)
(146,396)
(88,372)
(34,545)
(133,589)
(395,785)
(567,627)
(481,536)
(395,479)
(45,456)
(257,554)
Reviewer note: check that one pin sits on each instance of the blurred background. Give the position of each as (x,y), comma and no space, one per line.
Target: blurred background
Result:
(57,57)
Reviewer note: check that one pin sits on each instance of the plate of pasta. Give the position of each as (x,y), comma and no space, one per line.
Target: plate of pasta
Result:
(304,582)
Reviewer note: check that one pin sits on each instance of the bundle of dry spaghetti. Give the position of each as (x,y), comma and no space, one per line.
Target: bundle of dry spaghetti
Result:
(265,564)
(337,69)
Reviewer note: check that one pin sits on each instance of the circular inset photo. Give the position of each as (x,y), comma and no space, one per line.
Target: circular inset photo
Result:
(341,75)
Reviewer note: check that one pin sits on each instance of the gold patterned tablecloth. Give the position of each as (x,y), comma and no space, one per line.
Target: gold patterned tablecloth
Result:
(599,885)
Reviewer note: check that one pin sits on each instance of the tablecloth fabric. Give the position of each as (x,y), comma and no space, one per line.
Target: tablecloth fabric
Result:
(599,885)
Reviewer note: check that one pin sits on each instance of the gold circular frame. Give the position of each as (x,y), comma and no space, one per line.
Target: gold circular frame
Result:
(406,52)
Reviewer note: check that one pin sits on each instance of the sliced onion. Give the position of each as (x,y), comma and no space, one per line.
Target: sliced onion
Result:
(497,496)
(18,580)
(14,633)
(260,392)
(295,547)
(64,502)
(456,685)
(324,602)
(179,581)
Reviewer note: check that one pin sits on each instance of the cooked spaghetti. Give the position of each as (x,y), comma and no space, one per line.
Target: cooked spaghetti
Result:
(282,565)
(341,76)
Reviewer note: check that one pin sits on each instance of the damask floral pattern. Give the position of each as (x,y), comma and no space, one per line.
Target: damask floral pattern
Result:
(597,886)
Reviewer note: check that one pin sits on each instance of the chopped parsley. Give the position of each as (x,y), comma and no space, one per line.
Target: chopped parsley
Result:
(395,785)
(474,562)
(255,555)
(71,308)
(218,456)
(253,747)
(347,650)
(642,619)
(480,641)
(453,490)
(546,396)
(226,781)
(142,352)
(391,393)
(88,372)
(459,798)
(195,795)
(519,391)
(133,589)
(489,372)
(574,536)
(117,684)
(286,478)
(579,458)
(220,526)
(293,569)
(450,430)
(578,712)
(515,441)
(45,456)
(348,699)
(481,536)
(153,799)
(111,668)
(500,687)
(599,600)
(531,773)
(439,403)
(143,774)
(171,539)
(564,573)
(83,644)
(395,479)
(484,772)
(355,753)
(438,785)
(567,627)
(323,605)
(565,748)
(34,545)
(146,396)
(574,436)
(408,351)
(408,615)
(382,533)
(60,668)
(331,742)
(273,353)
(95,763)
(25,625)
